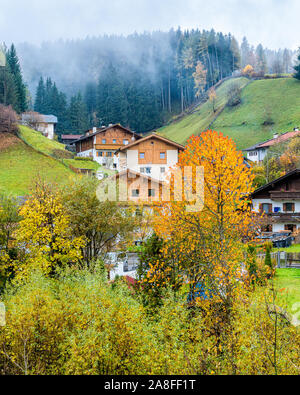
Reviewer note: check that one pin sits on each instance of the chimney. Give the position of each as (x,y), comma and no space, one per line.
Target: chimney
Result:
(296,129)
(275,135)
(94,129)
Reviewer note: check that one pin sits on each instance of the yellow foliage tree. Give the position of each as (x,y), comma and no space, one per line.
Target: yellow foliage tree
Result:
(248,70)
(44,233)
(199,78)
(205,248)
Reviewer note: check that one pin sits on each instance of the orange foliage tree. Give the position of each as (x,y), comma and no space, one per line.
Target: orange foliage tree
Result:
(205,247)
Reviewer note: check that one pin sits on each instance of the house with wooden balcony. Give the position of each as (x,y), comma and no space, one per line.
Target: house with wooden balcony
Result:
(101,144)
(152,156)
(280,201)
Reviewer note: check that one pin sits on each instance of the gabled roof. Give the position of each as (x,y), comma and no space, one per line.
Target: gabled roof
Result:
(41,118)
(271,184)
(71,136)
(280,139)
(151,136)
(101,130)
(137,174)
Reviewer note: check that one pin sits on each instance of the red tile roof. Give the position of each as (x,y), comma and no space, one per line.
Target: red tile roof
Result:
(283,137)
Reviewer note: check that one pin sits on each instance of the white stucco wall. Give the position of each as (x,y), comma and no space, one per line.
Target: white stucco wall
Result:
(278,226)
(275,203)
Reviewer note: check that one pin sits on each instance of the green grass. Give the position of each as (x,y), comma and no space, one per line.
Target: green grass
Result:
(202,116)
(20,165)
(244,123)
(39,142)
(293,248)
(287,283)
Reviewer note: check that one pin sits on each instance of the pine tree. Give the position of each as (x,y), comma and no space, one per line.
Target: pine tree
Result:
(8,91)
(78,114)
(39,104)
(15,69)
(297,68)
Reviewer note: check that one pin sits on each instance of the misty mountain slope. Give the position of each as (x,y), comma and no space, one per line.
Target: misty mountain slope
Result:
(267,106)
(202,116)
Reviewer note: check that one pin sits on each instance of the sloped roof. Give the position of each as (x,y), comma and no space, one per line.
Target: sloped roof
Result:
(271,184)
(151,136)
(71,136)
(42,118)
(101,130)
(280,139)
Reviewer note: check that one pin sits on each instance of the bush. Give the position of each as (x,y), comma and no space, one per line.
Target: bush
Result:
(62,154)
(8,120)
(234,95)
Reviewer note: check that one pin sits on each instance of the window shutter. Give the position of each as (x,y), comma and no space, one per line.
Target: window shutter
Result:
(260,207)
(284,207)
(270,207)
(293,207)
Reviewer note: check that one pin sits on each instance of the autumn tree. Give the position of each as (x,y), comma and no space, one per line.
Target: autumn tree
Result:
(44,232)
(199,78)
(205,247)
(248,71)
(104,225)
(212,98)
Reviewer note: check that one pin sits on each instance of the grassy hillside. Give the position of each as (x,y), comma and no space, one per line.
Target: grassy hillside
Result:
(201,117)
(21,164)
(53,148)
(275,99)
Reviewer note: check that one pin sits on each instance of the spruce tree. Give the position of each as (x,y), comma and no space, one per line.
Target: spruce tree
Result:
(297,68)
(8,91)
(15,69)
(39,104)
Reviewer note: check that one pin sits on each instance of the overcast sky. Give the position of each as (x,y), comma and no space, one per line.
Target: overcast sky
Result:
(274,23)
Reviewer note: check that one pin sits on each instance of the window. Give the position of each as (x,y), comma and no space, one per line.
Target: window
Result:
(135,193)
(253,153)
(290,227)
(114,141)
(289,207)
(162,155)
(142,155)
(125,142)
(103,141)
(162,169)
(109,154)
(100,153)
(151,192)
(148,170)
(267,208)
(142,170)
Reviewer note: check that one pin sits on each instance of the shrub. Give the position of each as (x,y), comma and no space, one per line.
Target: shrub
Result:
(234,93)
(8,119)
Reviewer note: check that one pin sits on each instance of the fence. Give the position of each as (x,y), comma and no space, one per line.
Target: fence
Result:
(285,259)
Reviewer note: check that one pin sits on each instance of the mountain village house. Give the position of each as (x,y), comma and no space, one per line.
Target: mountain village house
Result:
(280,201)
(258,152)
(152,156)
(45,124)
(101,144)
(142,162)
